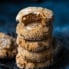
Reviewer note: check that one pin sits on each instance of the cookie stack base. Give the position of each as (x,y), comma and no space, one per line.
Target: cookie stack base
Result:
(23,64)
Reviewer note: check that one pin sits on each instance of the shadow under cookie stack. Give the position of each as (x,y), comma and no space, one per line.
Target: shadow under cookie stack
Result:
(34,38)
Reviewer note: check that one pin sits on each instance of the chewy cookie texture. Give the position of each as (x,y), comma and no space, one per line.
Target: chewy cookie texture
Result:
(36,57)
(7,46)
(34,46)
(37,32)
(34,38)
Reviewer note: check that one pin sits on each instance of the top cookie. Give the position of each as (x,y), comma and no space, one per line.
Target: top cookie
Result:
(34,14)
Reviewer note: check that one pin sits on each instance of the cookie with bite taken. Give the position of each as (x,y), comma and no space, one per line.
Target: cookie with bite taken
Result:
(34,23)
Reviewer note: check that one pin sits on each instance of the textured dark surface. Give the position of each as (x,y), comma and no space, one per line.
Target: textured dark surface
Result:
(9,10)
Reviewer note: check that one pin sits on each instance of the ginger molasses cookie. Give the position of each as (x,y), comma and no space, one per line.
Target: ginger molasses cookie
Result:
(35,23)
(23,64)
(7,43)
(34,46)
(37,32)
(35,14)
(36,57)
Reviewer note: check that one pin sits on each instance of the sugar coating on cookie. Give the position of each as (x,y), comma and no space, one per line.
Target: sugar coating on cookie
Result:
(5,41)
(38,11)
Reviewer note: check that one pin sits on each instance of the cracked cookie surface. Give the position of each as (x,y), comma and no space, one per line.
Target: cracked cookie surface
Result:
(37,33)
(38,13)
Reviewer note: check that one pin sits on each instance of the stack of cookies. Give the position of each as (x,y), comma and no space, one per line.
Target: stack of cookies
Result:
(34,38)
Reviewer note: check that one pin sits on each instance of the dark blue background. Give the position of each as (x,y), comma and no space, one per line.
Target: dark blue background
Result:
(9,10)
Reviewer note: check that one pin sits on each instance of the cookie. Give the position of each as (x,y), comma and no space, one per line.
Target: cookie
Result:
(35,46)
(23,64)
(38,32)
(35,14)
(36,57)
(7,43)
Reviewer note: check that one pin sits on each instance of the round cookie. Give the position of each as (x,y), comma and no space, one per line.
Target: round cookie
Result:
(37,32)
(38,13)
(23,64)
(36,57)
(7,44)
(35,46)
